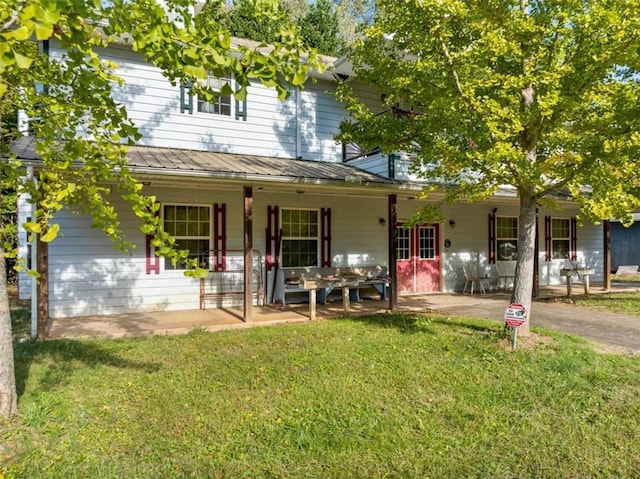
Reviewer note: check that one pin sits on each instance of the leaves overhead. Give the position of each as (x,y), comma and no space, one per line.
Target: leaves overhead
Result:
(540,95)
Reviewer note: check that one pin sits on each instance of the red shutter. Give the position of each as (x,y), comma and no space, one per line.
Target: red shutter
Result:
(325,237)
(273,240)
(492,238)
(219,237)
(152,261)
(574,239)
(547,238)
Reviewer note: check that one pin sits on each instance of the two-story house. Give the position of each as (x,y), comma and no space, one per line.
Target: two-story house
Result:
(310,205)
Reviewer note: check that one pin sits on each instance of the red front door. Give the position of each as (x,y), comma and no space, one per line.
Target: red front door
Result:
(418,259)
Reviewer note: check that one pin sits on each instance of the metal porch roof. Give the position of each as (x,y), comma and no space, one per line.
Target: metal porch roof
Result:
(171,161)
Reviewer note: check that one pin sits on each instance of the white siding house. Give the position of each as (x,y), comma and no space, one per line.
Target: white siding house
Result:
(311,209)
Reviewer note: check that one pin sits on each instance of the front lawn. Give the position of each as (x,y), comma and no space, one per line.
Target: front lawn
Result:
(626,303)
(406,396)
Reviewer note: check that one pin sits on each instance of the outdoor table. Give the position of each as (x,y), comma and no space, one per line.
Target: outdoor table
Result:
(321,283)
(581,272)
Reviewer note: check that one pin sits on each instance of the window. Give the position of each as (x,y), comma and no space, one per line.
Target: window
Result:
(222,103)
(427,238)
(506,238)
(190,225)
(300,237)
(560,238)
(404,239)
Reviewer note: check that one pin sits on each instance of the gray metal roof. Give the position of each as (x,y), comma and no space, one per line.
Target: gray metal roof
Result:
(171,161)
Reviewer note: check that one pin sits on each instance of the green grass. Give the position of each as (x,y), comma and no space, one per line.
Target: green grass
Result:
(626,303)
(410,396)
(626,278)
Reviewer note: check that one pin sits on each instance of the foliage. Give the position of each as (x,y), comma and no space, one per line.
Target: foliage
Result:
(386,396)
(320,28)
(539,95)
(81,132)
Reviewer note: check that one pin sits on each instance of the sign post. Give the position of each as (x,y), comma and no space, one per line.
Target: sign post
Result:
(515,315)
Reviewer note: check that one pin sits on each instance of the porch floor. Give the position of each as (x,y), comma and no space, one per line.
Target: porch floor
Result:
(609,328)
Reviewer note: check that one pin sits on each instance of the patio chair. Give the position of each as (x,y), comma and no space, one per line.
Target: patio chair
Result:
(506,272)
(472,277)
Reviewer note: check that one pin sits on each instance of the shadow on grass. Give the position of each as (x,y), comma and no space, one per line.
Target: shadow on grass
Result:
(59,359)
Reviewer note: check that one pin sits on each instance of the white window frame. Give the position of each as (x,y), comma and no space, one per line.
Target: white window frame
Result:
(403,249)
(301,238)
(555,238)
(180,239)
(207,108)
(430,249)
(500,240)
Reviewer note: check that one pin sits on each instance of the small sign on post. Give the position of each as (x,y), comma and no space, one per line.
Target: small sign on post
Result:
(515,315)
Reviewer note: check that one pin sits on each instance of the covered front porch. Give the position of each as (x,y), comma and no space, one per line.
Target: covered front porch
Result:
(490,306)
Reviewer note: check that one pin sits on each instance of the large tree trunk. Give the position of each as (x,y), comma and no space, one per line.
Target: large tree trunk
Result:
(8,396)
(523,282)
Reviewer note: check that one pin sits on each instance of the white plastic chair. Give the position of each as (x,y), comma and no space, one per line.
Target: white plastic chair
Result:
(472,277)
(506,271)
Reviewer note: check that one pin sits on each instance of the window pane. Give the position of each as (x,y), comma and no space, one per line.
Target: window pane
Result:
(180,228)
(196,249)
(507,249)
(299,253)
(427,242)
(402,252)
(560,249)
(559,228)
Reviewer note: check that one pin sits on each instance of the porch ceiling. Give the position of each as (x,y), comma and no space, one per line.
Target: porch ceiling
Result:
(177,162)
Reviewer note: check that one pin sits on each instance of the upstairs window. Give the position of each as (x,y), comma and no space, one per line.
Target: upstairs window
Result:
(221,104)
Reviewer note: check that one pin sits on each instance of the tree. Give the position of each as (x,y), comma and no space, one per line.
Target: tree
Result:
(320,28)
(542,95)
(81,132)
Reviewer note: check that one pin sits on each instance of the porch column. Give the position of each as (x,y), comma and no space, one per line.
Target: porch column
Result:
(248,253)
(392,212)
(42,266)
(536,263)
(606,249)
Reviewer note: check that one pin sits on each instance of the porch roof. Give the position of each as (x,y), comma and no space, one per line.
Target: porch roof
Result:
(205,164)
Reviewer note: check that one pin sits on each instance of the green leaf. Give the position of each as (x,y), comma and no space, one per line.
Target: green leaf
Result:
(44,31)
(22,61)
(32,227)
(51,234)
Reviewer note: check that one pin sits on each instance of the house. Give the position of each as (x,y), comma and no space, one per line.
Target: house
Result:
(265,180)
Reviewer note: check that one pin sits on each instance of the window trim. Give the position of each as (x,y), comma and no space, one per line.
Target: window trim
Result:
(497,237)
(318,237)
(553,238)
(167,266)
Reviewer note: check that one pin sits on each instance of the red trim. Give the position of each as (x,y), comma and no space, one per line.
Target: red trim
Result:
(273,219)
(325,237)
(574,239)
(152,261)
(547,238)
(219,237)
(492,238)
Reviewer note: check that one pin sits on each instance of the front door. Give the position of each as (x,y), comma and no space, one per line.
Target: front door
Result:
(418,259)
